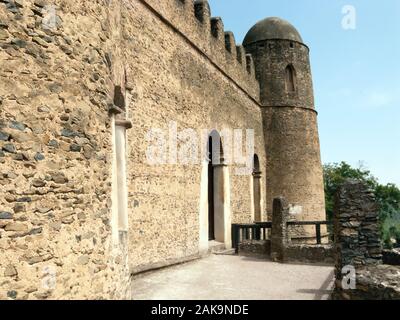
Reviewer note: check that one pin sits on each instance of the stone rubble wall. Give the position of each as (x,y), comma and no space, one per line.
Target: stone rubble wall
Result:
(356,226)
(56,154)
(255,249)
(358,245)
(310,253)
(320,254)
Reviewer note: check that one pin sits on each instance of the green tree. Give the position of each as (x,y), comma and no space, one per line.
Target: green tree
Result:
(335,174)
(388,196)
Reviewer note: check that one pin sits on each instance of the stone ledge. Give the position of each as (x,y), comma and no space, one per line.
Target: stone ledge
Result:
(113,109)
(310,254)
(124,123)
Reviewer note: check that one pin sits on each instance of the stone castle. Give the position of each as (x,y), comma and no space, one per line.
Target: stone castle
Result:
(82,83)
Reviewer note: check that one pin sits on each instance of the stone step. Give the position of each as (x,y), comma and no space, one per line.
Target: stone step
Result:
(215,246)
(227,252)
(219,248)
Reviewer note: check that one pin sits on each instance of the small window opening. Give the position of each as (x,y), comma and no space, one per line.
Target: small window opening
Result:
(290,79)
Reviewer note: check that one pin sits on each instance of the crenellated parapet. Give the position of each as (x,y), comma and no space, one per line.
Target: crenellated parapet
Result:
(193,20)
(250,64)
(217,28)
(202,10)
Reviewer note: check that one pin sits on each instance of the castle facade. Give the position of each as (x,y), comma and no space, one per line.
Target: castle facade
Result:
(133,134)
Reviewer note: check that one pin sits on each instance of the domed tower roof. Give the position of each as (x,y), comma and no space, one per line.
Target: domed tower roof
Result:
(272,28)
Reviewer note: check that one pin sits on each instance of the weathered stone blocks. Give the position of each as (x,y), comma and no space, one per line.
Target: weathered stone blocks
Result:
(358,246)
(10,271)
(5,215)
(47,193)
(17,227)
(356,225)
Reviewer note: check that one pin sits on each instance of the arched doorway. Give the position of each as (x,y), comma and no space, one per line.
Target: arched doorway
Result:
(257,189)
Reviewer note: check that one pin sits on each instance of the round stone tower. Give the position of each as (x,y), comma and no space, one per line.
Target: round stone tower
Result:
(294,168)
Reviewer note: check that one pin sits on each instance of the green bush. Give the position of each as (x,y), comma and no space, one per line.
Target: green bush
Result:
(388,197)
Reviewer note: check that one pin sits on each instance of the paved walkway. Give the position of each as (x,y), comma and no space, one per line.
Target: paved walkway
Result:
(235,278)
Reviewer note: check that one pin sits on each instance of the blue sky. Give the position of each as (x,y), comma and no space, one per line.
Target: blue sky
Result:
(356,73)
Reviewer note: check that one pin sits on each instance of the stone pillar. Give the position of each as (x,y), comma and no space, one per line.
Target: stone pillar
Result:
(356,228)
(279,235)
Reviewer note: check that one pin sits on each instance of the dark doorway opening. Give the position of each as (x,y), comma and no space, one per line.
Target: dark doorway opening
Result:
(257,188)
(211,208)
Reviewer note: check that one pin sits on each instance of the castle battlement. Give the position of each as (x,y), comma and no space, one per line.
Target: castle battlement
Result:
(193,21)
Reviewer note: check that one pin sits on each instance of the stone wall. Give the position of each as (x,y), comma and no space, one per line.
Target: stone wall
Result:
(255,249)
(356,226)
(181,72)
(320,254)
(61,66)
(56,153)
(358,247)
(73,70)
